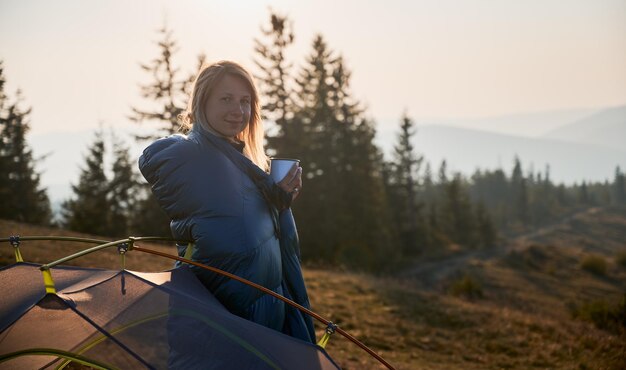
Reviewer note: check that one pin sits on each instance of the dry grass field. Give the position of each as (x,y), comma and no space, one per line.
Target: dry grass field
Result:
(540,302)
(49,251)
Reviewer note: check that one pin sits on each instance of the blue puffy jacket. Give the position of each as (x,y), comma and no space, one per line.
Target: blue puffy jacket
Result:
(239,221)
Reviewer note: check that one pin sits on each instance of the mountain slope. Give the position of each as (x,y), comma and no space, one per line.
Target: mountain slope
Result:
(606,128)
(533,124)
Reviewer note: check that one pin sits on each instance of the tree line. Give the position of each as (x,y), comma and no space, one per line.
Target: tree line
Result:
(357,209)
(21,195)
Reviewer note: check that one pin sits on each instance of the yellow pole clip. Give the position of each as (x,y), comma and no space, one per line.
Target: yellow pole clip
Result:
(15,242)
(48,282)
(330,330)
(122,249)
(189,251)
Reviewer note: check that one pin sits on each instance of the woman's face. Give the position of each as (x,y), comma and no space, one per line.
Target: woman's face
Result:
(228,106)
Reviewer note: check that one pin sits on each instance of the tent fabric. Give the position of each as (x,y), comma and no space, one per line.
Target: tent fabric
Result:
(127,320)
(21,286)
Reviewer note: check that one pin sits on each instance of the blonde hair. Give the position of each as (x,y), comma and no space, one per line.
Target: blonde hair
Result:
(253,135)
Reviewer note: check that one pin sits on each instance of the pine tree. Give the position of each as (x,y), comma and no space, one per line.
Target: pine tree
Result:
(4,158)
(583,194)
(443,173)
(314,116)
(167,93)
(522,202)
(431,200)
(543,200)
(89,209)
(149,218)
(274,83)
(487,234)
(492,189)
(519,193)
(436,236)
(547,176)
(358,160)
(342,210)
(619,187)
(122,190)
(403,190)
(605,193)
(457,214)
(3,96)
(22,197)
(428,182)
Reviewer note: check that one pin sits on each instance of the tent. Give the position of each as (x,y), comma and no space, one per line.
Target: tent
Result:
(54,316)
(132,320)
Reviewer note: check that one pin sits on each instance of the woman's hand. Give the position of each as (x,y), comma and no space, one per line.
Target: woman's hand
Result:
(292,182)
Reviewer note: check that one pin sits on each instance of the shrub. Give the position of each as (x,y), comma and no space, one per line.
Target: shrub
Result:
(594,264)
(466,286)
(603,315)
(534,257)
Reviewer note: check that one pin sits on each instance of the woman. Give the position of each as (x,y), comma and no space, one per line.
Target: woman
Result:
(214,186)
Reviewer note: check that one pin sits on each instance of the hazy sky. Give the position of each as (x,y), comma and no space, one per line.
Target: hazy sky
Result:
(77,62)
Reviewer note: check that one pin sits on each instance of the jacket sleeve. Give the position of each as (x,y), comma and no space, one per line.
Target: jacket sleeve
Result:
(165,165)
(155,156)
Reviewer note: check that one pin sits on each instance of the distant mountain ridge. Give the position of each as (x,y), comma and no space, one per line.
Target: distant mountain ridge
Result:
(533,124)
(466,150)
(605,128)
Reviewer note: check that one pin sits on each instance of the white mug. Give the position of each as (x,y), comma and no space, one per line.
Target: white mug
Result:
(279,167)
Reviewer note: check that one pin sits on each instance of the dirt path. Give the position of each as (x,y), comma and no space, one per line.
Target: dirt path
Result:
(527,237)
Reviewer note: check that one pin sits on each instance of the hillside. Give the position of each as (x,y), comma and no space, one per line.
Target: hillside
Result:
(606,128)
(510,308)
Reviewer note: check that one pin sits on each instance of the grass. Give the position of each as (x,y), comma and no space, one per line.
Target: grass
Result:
(523,320)
(417,329)
(49,251)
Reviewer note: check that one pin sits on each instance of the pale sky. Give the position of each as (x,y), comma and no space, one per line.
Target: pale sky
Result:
(77,62)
